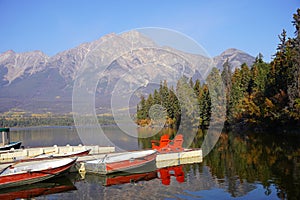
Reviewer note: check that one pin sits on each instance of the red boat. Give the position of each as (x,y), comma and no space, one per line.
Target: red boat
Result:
(126,162)
(24,173)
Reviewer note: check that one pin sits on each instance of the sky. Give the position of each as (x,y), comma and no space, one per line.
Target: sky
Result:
(53,26)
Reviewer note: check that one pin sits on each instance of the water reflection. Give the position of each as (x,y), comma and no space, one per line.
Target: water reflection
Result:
(164,175)
(53,186)
(61,136)
(241,162)
(250,166)
(271,160)
(45,136)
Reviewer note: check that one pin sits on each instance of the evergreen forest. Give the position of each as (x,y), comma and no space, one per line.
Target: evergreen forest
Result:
(264,95)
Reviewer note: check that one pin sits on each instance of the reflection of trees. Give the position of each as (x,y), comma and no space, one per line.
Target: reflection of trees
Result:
(239,160)
(267,159)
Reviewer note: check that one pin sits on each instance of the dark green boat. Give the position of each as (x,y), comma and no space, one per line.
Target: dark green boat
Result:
(6,144)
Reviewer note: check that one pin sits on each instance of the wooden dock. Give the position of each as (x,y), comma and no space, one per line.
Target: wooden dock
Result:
(188,156)
(32,152)
(163,160)
(178,158)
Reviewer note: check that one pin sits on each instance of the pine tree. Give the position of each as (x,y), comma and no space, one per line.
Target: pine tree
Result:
(142,113)
(259,72)
(148,104)
(294,86)
(197,87)
(217,95)
(226,77)
(164,93)
(258,84)
(281,78)
(236,95)
(188,103)
(245,78)
(205,106)
(156,98)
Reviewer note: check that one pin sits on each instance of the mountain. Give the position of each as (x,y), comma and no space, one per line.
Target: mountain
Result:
(235,57)
(35,82)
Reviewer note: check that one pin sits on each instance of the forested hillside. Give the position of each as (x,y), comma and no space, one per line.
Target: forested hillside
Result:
(262,95)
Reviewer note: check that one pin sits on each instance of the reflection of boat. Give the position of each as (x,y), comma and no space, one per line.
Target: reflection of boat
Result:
(163,174)
(129,161)
(15,145)
(52,186)
(31,172)
(120,178)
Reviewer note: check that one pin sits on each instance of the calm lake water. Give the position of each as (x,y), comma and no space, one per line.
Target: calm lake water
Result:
(256,166)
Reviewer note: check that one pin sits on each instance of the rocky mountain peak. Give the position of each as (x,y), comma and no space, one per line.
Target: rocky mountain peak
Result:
(231,51)
(235,57)
(22,64)
(35,82)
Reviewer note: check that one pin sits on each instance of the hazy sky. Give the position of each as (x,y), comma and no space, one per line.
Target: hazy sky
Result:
(56,25)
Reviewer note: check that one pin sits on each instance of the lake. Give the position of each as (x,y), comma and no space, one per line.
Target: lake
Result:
(252,166)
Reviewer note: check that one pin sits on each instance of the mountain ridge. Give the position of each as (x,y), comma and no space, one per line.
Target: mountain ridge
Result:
(34,82)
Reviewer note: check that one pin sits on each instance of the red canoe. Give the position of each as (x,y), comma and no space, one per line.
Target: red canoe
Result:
(129,161)
(24,173)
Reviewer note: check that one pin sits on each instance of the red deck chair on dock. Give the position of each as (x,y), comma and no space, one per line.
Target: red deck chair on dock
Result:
(167,145)
(176,145)
(164,141)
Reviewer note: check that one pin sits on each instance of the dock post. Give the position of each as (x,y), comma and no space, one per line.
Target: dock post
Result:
(8,136)
(5,136)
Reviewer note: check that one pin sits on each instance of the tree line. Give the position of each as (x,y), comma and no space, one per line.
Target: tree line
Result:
(264,94)
(56,120)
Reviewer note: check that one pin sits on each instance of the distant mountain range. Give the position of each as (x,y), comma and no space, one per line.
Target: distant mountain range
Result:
(35,82)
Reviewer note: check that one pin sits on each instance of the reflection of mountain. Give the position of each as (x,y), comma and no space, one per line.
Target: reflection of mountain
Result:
(32,81)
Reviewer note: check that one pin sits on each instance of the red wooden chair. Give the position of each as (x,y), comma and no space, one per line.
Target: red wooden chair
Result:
(175,145)
(164,141)
(178,141)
